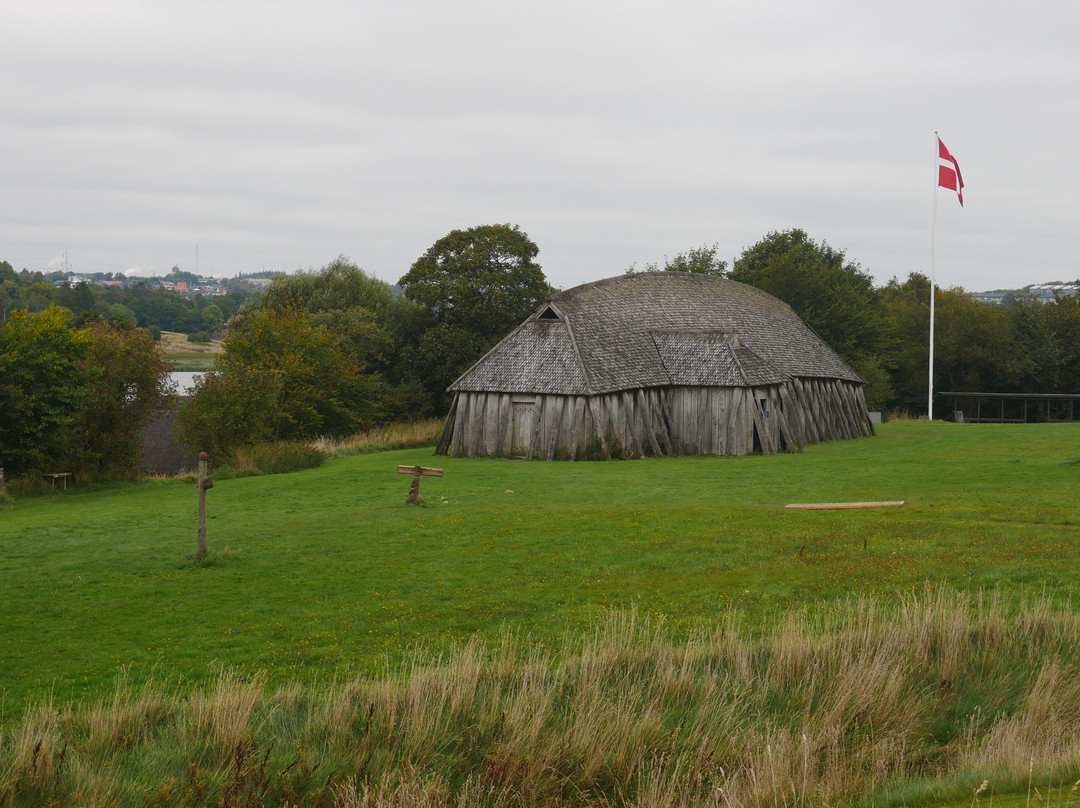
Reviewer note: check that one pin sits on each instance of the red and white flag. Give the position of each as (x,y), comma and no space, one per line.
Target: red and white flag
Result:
(949,172)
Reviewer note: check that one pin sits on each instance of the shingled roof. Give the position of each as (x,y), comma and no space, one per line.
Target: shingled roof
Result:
(655,329)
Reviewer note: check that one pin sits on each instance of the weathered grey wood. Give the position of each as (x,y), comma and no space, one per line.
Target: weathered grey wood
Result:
(576,440)
(417,472)
(457,441)
(834,506)
(62,476)
(505,423)
(599,427)
(203,485)
(534,434)
(491,424)
(448,429)
(423,471)
(657,421)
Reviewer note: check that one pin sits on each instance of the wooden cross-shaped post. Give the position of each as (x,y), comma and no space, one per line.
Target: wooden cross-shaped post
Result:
(417,472)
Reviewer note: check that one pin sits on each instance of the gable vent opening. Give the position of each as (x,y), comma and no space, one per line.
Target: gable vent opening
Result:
(548,314)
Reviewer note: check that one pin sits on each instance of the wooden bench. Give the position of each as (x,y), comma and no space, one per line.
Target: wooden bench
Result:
(59,475)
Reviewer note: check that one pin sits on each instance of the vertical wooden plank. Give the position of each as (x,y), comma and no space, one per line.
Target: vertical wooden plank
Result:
(457,444)
(795,404)
(760,422)
(687,425)
(534,433)
(735,432)
(748,410)
(475,444)
(631,441)
(578,429)
(645,420)
(204,462)
(553,412)
(721,440)
(444,437)
(870,431)
(663,410)
(596,409)
(491,423)
(505,415)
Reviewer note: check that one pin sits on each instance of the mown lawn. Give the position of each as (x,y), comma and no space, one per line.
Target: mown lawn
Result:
(327,571)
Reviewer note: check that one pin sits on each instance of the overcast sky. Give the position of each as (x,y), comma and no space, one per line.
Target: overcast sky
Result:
(278,135)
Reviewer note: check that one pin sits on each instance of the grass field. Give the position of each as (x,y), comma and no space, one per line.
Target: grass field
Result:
(329,569)
(188,356)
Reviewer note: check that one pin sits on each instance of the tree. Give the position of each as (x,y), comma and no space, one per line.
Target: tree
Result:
(1047,337)
(44,384)
(483,280)
(348,302)
(128,383)
(79,298)
(38,296)
(973,348)
(475,286)
(701,259)
(338,285)
(228,409)
(213,320)
(835,297)
(283,376)
(121,314)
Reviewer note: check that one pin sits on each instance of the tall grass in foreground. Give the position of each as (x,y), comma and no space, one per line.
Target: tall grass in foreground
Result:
(404,435)
(904,704)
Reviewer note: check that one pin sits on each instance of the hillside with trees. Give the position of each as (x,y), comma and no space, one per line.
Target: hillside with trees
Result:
(142,302)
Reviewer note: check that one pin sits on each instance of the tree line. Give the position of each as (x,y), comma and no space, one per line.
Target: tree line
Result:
(1023,346)
(337,350)
(334,351)
(137,304)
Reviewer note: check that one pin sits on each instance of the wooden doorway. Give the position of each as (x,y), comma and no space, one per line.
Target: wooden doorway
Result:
(522,427)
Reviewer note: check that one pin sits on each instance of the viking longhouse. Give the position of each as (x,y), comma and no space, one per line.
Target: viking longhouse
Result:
(655,363)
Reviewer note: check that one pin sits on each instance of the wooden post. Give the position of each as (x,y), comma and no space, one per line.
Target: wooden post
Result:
(417,472)
(204,485)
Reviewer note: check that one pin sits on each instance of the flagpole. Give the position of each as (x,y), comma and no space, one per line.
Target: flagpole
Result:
(933,246)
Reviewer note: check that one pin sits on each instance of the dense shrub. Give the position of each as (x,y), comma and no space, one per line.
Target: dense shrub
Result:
(282,376)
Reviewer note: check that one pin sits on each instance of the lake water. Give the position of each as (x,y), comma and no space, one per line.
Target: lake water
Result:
(184,380)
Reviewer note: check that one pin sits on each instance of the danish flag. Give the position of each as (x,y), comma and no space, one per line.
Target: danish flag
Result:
(949,172)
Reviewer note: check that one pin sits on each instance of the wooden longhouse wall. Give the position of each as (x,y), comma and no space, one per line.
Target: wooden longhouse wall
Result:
(654,364)
(659,421)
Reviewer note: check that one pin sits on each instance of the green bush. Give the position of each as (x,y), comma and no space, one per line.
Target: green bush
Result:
(201,337)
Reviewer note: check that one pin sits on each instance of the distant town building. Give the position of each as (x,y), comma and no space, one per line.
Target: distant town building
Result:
(1038,292)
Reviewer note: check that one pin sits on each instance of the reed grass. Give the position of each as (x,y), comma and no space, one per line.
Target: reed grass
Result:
(280,457)
(404,435)
(917,702)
